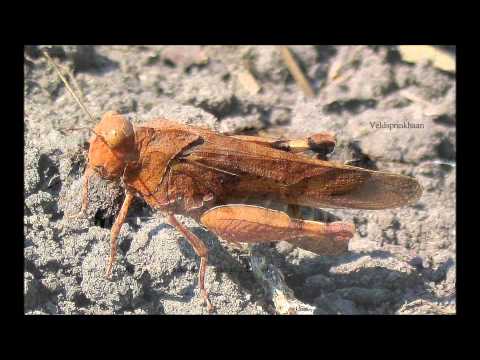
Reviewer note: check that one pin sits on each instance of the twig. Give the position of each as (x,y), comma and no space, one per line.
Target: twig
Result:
(296,71)
(274,283)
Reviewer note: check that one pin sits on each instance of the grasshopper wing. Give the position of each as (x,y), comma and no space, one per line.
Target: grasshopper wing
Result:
(296,179)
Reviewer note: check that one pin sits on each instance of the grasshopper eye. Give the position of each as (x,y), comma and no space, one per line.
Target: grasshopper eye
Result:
(115,129)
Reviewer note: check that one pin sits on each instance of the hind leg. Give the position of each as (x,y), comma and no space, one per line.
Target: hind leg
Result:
(321,143)
(253,224)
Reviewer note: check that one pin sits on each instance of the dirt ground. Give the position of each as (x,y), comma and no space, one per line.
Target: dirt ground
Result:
(401,261)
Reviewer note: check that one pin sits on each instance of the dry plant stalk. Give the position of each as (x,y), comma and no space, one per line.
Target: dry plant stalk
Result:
(296,71)
(180,169)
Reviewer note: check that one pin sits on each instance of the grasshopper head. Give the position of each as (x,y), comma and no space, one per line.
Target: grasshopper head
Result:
(111,146)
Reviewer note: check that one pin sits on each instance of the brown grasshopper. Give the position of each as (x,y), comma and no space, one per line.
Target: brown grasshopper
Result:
(180,169)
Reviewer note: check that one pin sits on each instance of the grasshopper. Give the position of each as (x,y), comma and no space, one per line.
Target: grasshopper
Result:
(192,171)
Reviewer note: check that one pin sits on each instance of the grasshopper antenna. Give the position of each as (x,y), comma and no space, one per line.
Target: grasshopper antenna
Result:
(70,90)
(89,170)
(67,85)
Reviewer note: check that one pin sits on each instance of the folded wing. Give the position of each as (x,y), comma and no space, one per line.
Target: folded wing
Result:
(296,179)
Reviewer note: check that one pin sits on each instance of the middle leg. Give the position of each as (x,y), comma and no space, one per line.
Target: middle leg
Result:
(201,250)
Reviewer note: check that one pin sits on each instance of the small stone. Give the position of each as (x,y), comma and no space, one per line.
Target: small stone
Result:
(279,116)
(284,247)
(40,202)
(184,56)
(237,124)
(209,94)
